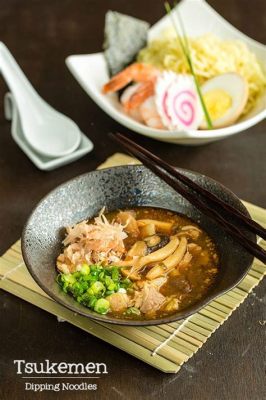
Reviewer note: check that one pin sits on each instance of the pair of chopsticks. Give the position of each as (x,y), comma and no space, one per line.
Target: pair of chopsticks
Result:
(208,203)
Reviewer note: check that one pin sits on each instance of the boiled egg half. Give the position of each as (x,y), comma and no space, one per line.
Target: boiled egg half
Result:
(225,97)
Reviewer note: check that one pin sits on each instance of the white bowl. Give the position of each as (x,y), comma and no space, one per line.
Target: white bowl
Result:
(90,70)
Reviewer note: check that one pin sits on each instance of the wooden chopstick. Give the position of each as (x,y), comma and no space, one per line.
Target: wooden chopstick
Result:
(158,168)
(244,220)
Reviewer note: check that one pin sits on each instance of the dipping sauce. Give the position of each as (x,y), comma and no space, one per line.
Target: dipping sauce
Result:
(142,263)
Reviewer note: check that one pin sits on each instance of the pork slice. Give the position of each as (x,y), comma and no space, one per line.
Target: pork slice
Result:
(118,301)
(152,299)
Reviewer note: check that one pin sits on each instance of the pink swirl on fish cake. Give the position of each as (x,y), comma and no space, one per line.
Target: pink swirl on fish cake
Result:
(177,101)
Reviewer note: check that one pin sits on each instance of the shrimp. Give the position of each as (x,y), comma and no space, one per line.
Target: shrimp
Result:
(124,99)
(145,90)
(136,72)
(150,115)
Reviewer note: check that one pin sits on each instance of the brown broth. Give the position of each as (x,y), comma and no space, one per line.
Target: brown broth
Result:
(188,283)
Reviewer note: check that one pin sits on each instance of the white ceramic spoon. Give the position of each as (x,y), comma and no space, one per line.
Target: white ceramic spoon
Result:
(47,131)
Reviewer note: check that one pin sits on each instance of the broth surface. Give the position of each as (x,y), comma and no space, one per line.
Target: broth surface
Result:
(189,282)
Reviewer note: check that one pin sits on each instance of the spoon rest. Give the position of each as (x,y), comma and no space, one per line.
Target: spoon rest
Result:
(42,162)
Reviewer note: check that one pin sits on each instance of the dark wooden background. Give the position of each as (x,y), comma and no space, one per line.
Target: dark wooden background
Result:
(41,34)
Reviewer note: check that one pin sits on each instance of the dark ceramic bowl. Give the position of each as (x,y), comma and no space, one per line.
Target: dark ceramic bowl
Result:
(122,187)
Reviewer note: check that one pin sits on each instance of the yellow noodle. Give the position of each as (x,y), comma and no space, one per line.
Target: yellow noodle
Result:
(211,56)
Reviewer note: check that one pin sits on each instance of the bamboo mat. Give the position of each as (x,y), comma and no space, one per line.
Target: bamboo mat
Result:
(165,347)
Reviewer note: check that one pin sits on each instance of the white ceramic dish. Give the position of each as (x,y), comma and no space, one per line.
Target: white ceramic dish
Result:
(91,72)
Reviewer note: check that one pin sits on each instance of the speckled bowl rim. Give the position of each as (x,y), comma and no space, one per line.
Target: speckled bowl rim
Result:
(108,319)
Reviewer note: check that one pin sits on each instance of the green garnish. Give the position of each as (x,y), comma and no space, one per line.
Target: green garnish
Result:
(98,288)
(92,284)
(85,270)
(184,43)
(102,306)
(133,311)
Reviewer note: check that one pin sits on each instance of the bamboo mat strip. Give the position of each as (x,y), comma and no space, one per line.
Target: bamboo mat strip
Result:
(165,347)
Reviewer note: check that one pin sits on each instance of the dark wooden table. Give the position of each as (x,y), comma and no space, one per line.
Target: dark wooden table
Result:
(231,365)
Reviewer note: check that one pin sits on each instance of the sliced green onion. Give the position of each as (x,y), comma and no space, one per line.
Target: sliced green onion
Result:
(133,311)
(97,288)
(92,284)
(102,306)
(85,269)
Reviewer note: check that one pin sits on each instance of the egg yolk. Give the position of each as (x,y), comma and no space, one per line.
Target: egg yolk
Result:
(217,102)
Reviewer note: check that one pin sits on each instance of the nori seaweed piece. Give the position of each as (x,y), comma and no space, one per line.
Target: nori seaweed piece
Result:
(125,36)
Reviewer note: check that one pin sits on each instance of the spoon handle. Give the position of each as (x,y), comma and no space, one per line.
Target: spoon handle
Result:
(16,80)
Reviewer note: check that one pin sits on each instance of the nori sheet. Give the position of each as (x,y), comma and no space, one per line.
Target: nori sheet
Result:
(125,36)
